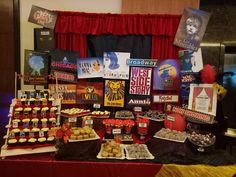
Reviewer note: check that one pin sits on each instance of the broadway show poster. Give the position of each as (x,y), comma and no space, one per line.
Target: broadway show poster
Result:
(191,28)
(203,98)
(140,81)
(186,80)
(138,101)
(89,92)
(191,61)
(166,75)
(63,60)
(43,17)
(90,67)
(35,68)
(66,92)
(115,66)
(114,93)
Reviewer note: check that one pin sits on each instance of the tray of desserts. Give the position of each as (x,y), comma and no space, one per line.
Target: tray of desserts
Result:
(153,115)
(83,134)
(75,112)
(100,114)
(137,151)
(124,114)
(171,135)
(111,150)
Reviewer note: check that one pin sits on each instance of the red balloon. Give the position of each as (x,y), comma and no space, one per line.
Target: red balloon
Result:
(175,122)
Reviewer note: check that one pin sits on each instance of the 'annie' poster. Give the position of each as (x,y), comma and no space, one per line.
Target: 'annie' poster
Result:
(114,93)
(140,80)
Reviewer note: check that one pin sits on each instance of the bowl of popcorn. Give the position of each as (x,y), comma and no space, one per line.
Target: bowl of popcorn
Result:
(201,139)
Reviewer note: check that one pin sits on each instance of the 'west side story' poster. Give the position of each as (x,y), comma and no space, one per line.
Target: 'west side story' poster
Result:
(140,80)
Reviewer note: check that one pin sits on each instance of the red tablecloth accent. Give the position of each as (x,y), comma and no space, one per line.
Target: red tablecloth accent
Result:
(39,165)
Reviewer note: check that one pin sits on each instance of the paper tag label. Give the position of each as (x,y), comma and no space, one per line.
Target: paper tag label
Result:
(44,124)
(138,109)
(170,118)
(41,133)
(31,134)
(72,119)
(116,131)
(22,134)
(15,124)
(89,122)
(97,106)
(142,124)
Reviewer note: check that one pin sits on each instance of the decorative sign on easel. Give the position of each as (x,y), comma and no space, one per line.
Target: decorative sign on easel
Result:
(35,68)
(43,17)
(114,93)
(115,66)
(140,81)
(190,114)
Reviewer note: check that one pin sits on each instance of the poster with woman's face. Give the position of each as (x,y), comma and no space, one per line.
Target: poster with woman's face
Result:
(191,29)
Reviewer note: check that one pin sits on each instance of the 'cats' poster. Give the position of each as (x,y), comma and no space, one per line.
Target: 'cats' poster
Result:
(35,68)
(140,81)
(114,93)
(89,92)
(191,29)
(115,66)
(166,75)
(90,67)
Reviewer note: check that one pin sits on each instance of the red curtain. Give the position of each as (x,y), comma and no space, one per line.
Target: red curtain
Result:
(72,27)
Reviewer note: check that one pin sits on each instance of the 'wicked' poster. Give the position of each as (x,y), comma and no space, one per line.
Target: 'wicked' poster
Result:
(35,68)
(89,92)
(191,28)
(90,67)
(115,66)
(166,75)
(140,81)
(114,93)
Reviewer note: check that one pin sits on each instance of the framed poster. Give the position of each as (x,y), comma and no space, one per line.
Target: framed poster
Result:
(191,61)
(90,67)
(203,98)
(89,92)
(63,60)
(166,75)
(191,29)
(114,93)
(140,81)
(66,92)
(115,66)
(35,68)
(43,17)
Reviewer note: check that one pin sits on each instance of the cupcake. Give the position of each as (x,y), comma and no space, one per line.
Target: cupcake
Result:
(35,131)
(45,130)
(35,122)
(32,140)
(42,140)
(44,122)
(32,101)
(12,142)
(22,141)
(51,139)
(44,101)
(16,123)
(25,122)
(44,111)
(15,131)
(23,101)
(35,111)
(53,111)
(19,110)
(51,101)
(27,112)
(26,131)
(52,121)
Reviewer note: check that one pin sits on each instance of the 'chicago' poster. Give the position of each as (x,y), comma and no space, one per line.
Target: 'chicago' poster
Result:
(114,93)
(140,81)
